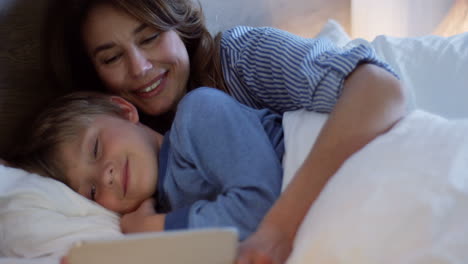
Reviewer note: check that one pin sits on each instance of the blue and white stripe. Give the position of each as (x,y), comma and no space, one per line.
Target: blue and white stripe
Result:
(271,68)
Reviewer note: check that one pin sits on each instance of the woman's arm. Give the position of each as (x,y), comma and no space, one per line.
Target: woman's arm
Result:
(371,103)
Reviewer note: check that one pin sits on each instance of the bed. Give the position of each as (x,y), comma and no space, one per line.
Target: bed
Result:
(401,199)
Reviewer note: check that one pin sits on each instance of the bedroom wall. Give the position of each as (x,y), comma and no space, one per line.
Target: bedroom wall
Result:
(302,17)
(398,18)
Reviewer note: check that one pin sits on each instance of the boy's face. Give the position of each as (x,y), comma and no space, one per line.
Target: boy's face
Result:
(114,162)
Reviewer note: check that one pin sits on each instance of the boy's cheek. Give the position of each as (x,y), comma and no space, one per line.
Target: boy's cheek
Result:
(113,204)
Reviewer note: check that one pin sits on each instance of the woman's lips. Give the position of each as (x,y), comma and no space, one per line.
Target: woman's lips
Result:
(153,88)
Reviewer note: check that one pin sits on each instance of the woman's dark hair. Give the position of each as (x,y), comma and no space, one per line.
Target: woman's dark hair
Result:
(69,67)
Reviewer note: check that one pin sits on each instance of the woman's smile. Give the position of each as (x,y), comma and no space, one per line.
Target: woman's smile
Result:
(154,88)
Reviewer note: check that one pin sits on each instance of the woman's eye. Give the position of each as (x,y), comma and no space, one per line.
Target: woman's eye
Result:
(111,59)
(150,39)
(93,192)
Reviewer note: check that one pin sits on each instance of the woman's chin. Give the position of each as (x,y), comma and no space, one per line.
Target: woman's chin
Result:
(157,108)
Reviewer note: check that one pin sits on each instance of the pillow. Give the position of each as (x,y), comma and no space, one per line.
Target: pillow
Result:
(335,32)
(434,68)
(301,129)
(43,217)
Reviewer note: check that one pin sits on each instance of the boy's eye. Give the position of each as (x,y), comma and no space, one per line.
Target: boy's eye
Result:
(93,192)
(150,39)
(96,148)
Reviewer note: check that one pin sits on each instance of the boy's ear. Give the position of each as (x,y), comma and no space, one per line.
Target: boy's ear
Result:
(130,111)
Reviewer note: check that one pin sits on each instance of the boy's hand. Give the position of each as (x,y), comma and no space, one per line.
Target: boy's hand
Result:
(143,219)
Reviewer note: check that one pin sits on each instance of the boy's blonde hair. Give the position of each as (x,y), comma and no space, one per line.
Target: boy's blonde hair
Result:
(62,121)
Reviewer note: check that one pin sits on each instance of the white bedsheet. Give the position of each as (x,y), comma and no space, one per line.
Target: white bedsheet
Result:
(403,198)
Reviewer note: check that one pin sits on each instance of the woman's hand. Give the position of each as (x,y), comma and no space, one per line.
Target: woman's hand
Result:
(266,246)
(143,219)
(63,260)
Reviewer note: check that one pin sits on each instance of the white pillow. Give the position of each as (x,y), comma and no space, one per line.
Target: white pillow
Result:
(41,217)
(335,32)
(434,68)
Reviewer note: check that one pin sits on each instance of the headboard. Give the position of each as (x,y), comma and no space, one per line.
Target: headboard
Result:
(22,84)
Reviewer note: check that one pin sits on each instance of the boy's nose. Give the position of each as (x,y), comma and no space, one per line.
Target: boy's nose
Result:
(108,177)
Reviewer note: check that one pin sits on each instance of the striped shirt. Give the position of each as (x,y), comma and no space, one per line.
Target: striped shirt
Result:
(270,68)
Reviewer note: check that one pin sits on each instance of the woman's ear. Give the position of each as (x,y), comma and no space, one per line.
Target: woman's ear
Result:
(129,110)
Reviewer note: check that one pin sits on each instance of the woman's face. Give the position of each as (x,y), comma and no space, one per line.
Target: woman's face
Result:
(145,66)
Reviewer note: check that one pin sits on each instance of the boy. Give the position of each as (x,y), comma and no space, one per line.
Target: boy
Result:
(219,165)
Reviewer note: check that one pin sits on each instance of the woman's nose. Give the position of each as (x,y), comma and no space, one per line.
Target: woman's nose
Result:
(139,64)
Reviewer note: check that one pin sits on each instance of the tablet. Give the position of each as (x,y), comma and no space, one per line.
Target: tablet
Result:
(207,246)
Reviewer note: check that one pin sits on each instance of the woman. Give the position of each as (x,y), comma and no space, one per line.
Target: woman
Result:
(152,52)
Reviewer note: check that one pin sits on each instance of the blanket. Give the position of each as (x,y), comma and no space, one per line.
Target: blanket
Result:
(403,198)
